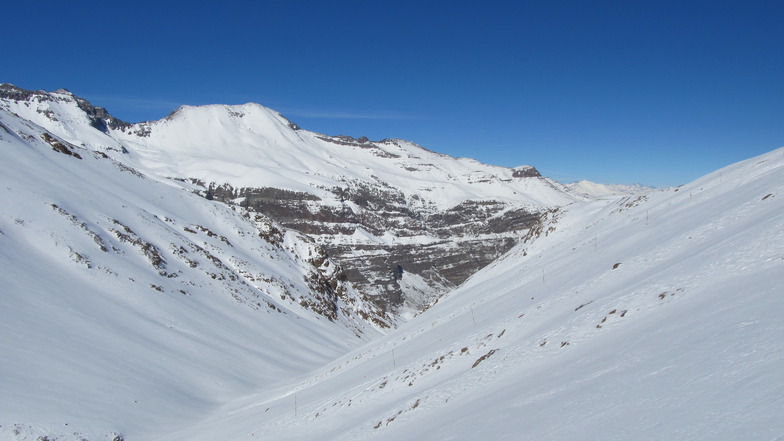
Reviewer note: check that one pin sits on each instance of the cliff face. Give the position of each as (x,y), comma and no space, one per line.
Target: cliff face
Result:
(404,248)
(405,224)
(380,240)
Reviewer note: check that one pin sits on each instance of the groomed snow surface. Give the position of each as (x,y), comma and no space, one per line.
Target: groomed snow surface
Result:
(645,317)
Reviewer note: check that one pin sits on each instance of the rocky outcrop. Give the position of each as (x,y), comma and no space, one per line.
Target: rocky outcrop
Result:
(526,171)
(98,116)
(443,248)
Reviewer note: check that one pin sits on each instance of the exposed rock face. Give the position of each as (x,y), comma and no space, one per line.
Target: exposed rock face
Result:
(444,248)
(526,171)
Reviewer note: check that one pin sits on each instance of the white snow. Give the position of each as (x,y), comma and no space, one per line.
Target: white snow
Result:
(643,317)
(681,340)
(252,146)
(596,190)
(95,337)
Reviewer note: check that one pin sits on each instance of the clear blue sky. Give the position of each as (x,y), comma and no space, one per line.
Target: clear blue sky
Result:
(656,92)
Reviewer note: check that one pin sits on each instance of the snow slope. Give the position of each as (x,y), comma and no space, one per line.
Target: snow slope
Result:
(133,306)
(655,317)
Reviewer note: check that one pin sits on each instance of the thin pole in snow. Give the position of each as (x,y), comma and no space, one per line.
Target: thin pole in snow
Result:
(394,363)
(542,276)
(295,404)
(473,319)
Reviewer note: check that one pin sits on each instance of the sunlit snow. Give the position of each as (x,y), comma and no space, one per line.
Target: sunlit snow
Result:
(131,307)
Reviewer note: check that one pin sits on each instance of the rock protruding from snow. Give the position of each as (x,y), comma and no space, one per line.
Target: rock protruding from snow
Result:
(525,171)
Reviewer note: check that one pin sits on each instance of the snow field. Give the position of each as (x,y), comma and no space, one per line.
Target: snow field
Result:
(678,341)
(131,307)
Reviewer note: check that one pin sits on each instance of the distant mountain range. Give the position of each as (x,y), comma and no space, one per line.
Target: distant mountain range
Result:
(596,190)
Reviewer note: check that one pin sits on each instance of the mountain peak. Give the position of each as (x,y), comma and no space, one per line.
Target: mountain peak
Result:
(248,111)
(60,104)
(525,171)
(12,92)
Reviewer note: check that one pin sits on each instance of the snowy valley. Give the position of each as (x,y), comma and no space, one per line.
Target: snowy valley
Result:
(407,224)
(223,274)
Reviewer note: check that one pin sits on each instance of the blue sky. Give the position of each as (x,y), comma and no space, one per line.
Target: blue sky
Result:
(657,92)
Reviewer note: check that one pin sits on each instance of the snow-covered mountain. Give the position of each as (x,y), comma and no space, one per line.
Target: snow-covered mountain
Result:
(646,318)
(136,305)
(125,299)
(408,224)
(597,190)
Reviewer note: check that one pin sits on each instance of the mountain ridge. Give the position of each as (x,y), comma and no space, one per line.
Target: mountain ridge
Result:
(595,189)
(436,218)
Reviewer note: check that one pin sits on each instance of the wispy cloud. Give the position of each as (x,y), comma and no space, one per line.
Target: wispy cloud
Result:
(132,103)
(142,105)
(340,114)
